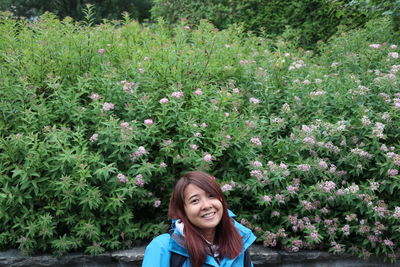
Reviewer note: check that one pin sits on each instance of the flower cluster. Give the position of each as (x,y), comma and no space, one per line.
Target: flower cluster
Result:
(139,152)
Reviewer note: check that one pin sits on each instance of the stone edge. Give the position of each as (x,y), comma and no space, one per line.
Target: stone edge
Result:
(260,255)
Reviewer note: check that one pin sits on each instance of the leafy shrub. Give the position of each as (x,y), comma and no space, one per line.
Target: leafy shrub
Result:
(97,123)
(377,8)
(111,9)
(313,20)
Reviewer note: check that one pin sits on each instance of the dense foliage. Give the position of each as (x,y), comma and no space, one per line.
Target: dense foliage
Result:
(377,8)
(109,9)
(308,20)
(98,122)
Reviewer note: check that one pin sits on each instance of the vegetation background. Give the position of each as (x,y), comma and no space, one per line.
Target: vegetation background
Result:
(293,107)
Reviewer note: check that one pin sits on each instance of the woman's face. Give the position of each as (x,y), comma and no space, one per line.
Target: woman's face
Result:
(202,209)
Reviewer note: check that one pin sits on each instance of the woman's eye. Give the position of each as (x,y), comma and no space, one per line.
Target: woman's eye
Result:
(211,196)
(194,201)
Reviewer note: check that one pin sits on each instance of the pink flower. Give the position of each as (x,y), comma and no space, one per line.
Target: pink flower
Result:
(128,86)
(250,123)
(322,164)
(257,164)
(177,94)
(142,71)
(164,100)
(318,81)
(226,188)
(108,106)
(393,46)
(292,189)
(254,100)
(163,165)
(207,158)
(309,140)
(327,186)
(304,167)
(124,125)
(228,137)
(186,27)
(365,121)
(396,212)
(388,243)
(267,198)
(306,129)
(280,198)
(204,125)
(256,173)
(276,213)
(148,122)
(101,51)
(94,96)
(139,180)
(277,120)
(198,91)
(168,142)
(394,55)
(392,172)
(122,178)
(283,166)
(324,210)
(307,205)
(339,192)
(353,189)
(286,108)
(193,146)
(256,141)
(374,46)
(197,134)
(361,153)
(236,90)
(146,58)
(157,203)
(346,230)
(336,247)
(94,137)
(314,235)
(140,151)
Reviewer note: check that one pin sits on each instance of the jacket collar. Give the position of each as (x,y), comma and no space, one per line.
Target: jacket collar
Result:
(176,243)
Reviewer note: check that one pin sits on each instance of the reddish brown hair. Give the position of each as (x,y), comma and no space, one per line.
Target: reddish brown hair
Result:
(227,237)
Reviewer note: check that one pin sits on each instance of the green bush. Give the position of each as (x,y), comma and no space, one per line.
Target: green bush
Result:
(312,20)
(110,9)
(97,123)
(377,8)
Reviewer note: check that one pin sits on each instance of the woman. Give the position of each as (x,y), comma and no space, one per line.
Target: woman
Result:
(203,230)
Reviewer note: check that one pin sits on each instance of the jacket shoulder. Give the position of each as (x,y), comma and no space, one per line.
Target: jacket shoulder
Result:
(161,241)
(246,233)
(157,253)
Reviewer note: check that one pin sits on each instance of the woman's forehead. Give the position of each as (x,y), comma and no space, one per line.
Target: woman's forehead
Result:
(192,189)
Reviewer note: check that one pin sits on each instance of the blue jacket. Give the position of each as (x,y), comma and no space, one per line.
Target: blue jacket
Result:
(158,252)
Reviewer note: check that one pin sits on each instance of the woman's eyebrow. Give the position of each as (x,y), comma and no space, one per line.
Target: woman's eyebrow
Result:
(196,195)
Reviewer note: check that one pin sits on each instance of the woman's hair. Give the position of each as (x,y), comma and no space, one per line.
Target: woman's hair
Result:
(227,236)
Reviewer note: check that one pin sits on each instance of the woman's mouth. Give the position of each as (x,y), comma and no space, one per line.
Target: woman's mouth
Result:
(208,215)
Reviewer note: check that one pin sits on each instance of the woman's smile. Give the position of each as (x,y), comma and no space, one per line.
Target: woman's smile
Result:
(203,210)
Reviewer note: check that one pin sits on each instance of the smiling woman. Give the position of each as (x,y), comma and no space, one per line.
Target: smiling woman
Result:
(204,232)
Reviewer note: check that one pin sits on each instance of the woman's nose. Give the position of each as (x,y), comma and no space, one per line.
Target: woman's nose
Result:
(206,204)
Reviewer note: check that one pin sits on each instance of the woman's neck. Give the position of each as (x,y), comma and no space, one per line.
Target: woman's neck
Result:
(209,235)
